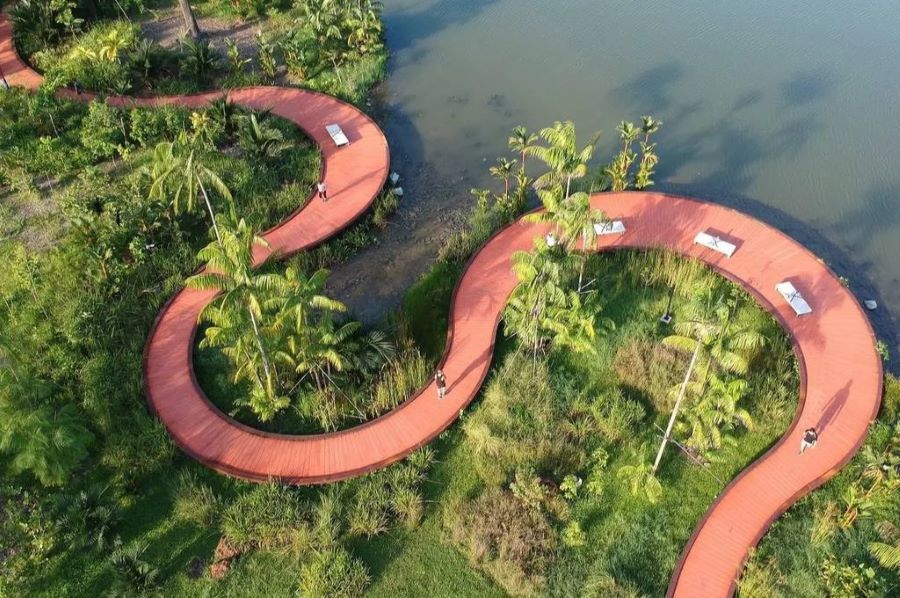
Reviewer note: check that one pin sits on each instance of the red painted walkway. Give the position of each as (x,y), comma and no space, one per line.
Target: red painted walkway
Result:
(841,372)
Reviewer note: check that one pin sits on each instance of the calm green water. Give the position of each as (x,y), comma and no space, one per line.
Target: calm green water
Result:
(789,110)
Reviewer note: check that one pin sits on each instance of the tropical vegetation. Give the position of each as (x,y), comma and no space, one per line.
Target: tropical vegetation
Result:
(601,435)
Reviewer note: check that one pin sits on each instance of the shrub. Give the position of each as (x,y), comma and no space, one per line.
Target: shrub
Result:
(387,204)
(90,516)
(198,58)
(149,126)
(368,513)
(41,23)
(195,502)
(408,505)
(268,516)
(101,134)
(513,543)
(149,61)
(573,536)
(97,60)
(333,573)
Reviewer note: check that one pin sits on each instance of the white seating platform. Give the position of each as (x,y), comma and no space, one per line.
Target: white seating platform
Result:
(715,243)
(611,227)
(337,135)
(793,297)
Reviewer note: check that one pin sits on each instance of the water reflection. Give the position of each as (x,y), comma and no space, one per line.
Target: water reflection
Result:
(788,110)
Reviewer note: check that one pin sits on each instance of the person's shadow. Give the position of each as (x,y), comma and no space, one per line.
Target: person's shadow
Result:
(832,408)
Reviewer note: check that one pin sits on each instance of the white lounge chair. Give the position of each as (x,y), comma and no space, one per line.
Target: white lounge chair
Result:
(611,227)
(715,243)
(793,297)
(337,135)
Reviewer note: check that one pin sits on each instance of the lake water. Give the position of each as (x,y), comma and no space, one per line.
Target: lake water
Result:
(788,110)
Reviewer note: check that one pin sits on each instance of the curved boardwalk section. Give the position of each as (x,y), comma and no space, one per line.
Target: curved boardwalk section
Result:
(840,370)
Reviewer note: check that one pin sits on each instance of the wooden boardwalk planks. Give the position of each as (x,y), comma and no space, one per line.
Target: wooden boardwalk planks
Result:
(841,372)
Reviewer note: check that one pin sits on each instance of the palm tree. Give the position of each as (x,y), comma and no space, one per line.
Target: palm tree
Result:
(574,220)
(643,178)
(715,339)
(649,126)
(716,410)
(542,275)
(520,141)
(503,171)
(190,22)
(319,350)
(561,155)
(230,270)
(628,133)
(299,297)
(179,176)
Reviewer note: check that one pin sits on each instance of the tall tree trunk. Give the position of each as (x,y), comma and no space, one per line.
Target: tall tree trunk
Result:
(262,351)
(190,22)
(681,394)
(212,215)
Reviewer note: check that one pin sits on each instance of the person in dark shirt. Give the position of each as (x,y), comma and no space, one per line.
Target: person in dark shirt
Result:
(441,381)
(810,437)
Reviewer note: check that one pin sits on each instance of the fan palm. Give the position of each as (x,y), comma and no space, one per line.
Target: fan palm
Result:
(176,177)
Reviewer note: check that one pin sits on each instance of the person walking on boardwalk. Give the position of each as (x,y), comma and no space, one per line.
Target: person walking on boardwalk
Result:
(323,190)
(810,437)
(440,381)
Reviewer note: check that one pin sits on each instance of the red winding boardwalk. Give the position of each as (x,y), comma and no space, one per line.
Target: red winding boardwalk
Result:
(841,373)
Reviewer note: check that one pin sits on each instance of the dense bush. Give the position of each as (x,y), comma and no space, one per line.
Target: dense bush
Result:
(98,60)
(38,23)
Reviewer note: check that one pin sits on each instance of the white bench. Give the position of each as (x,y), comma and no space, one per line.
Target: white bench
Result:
(337,135)
(715,243)
(793,297)
(612,227)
